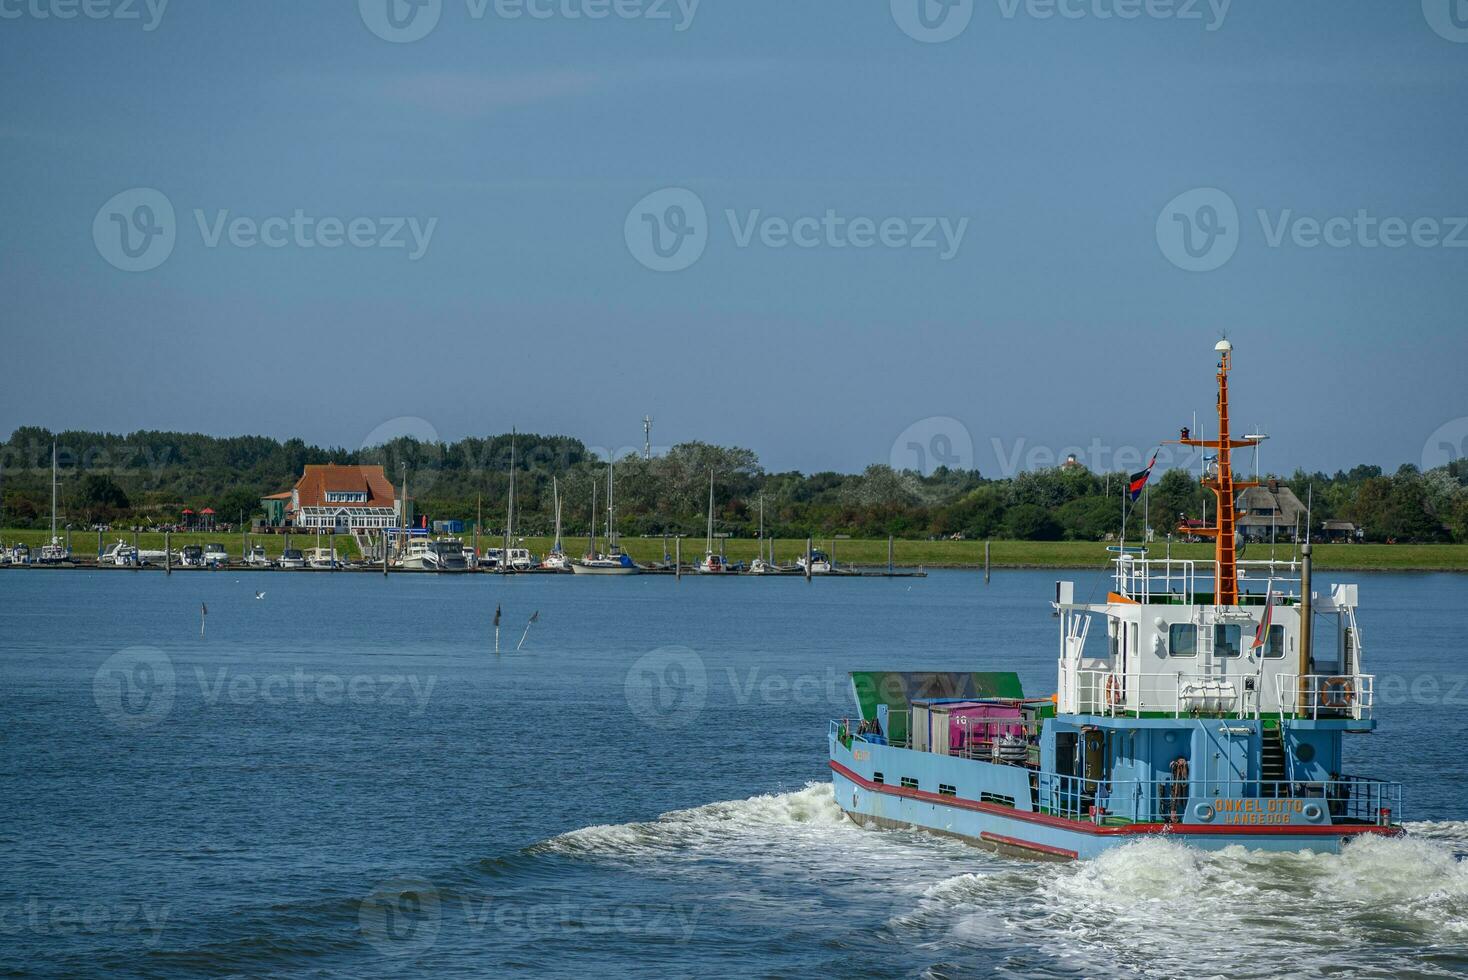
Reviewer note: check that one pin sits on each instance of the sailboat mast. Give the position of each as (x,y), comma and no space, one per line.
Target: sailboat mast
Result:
(709,542)
(556,495)
(510,514)
(591,541)
(53,491)
(611,521)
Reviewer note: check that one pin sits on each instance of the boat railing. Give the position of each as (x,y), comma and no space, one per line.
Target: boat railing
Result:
(1144,578)
(1350,799)
(1317,696)
(1150,579)
(1117,694)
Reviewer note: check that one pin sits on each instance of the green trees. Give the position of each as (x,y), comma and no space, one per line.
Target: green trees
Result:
(148,476)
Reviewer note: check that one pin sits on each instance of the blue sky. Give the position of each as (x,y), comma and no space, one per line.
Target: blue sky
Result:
(1067,156)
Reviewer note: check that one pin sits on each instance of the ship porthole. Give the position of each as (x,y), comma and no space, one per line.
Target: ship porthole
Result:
(1313,812)
(1203,812)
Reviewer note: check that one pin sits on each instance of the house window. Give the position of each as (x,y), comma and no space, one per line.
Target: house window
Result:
(1182,640)
(1227,640)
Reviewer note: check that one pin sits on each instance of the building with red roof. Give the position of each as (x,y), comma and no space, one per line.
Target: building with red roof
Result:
(341,499)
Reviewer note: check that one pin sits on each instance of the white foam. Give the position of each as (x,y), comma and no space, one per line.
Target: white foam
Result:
(809,815)
(1154,907)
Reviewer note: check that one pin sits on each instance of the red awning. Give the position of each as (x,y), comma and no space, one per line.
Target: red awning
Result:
(207,510)
(187,511)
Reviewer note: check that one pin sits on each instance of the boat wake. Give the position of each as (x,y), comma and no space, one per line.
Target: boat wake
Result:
(1152,908)
(808,813)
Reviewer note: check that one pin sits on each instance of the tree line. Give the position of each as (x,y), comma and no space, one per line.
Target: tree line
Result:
(148,478)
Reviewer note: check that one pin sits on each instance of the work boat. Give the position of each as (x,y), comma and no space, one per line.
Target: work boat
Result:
(1205,701)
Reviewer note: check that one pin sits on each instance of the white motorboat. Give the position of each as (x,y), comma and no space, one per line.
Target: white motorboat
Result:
(820,563)
(292,558)
(257,558)
(191,556)
(434,556)
(122,554)
(519,560)
(215,556)
(322,558)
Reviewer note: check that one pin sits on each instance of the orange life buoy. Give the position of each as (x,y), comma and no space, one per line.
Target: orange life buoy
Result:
(1337,692)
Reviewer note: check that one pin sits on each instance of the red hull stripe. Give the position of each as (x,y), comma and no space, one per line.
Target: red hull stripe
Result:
(1086,827)
(1027,845)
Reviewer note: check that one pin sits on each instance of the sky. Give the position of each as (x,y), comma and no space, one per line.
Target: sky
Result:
(978,232)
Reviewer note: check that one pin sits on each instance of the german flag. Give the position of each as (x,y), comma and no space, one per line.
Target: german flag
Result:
(1139,479)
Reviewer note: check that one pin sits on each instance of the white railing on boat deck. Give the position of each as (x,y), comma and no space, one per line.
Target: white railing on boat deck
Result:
(1112,694)
(1146,579)
(1140,579)
(1328,695)
(1104,692)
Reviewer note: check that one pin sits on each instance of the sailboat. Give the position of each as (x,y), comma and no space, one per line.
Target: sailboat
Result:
(514,558)
(615,561)
(54,553)
(713,563)
(557,560)
(759,566)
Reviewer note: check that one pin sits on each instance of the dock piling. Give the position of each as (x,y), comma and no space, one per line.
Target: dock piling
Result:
(986,561)
(678,557)
(167,555)
(808,547)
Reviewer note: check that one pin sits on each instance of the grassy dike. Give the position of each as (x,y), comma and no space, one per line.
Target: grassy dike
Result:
(869,553)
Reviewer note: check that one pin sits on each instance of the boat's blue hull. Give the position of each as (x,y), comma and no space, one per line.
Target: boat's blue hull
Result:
(965,807)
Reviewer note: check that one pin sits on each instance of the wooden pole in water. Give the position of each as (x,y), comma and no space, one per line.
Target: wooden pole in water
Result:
(678,557)
(808,544)
(986,561)
(383,538)
(137,555)
(167,555)
(889,554)
(99,542)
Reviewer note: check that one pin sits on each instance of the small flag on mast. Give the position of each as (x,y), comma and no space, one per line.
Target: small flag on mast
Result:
(1139,479)
(1261,635)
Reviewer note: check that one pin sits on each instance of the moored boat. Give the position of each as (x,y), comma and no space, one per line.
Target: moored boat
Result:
(1211,705)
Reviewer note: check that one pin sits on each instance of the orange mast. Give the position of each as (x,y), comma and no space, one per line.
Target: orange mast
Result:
(1221,481)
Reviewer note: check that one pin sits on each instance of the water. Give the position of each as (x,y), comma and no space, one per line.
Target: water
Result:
(342,778)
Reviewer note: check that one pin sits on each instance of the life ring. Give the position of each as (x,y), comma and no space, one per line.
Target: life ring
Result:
(1313,813)
(1337,692)
(1113,691)
(1203,812)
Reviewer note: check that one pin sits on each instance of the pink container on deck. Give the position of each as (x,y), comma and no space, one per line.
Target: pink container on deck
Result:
(972,724)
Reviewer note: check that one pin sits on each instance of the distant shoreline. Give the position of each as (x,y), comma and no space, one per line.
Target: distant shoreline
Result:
(863,553)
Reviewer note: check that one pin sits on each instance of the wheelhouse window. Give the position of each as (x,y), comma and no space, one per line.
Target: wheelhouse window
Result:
(1182,640)
(1274,645)
(1227,641)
